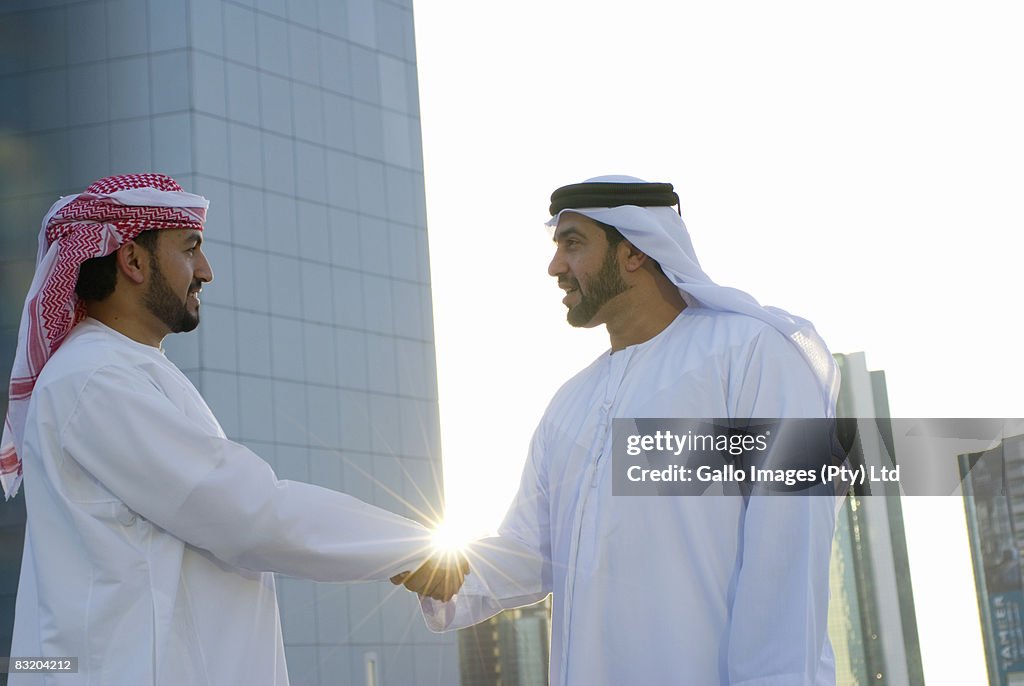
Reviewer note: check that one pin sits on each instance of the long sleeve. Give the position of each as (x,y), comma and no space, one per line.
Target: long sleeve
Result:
(180,474)
(511,569)
(778,628)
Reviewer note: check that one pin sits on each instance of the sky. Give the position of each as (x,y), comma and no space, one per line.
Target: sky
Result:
(859,164)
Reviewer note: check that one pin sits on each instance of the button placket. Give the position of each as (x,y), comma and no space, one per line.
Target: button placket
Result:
(124,515)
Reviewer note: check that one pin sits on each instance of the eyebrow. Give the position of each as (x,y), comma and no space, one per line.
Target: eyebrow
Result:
(194,237)
(566,232)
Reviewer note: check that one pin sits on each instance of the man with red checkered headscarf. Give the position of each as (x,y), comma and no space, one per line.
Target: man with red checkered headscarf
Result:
(151,537)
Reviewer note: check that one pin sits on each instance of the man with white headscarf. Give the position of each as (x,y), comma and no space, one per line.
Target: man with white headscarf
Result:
(151,537)
(666,590)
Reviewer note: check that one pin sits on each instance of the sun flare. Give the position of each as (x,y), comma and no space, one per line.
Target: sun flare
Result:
(450,537)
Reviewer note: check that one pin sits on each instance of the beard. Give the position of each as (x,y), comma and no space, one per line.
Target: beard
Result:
(604,286)
(166,305)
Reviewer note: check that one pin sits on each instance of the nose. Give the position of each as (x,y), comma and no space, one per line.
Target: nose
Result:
(557,266)
(203,271)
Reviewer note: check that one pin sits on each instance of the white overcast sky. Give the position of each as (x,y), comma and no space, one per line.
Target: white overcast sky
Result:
(860,164)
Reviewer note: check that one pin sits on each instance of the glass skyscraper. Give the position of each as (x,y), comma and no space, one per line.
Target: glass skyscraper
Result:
(871,619)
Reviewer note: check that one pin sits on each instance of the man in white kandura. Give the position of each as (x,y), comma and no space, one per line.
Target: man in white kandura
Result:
(700,591)
(151,537)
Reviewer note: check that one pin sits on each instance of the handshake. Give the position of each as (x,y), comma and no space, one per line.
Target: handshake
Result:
(440,577)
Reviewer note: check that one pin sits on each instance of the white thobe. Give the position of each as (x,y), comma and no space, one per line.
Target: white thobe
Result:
(694,590)
(151,537)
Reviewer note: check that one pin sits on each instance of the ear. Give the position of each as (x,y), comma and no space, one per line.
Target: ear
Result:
(633,258)
(133,262)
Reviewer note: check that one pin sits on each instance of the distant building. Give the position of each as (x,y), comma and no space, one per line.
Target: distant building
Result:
(509,649)
(994,501)
(871,622)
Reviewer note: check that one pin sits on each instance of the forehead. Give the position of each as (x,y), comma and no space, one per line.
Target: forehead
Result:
(182,235)
(571,222)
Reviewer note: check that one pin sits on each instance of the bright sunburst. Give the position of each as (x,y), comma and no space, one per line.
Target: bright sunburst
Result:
(450,537)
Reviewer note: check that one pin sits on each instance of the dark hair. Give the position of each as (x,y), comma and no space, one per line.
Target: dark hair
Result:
(98,276)
(615,237)
(610,232)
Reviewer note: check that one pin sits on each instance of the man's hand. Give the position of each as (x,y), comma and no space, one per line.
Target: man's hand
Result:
(440,577)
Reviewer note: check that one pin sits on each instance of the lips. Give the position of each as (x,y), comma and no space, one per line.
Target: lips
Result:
(194,290)
(570,288)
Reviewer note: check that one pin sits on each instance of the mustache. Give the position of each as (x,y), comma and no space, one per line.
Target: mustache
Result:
(570,283)
(196,286)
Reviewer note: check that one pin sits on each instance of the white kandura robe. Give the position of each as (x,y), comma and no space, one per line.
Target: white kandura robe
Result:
(151,536)
(691,590)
